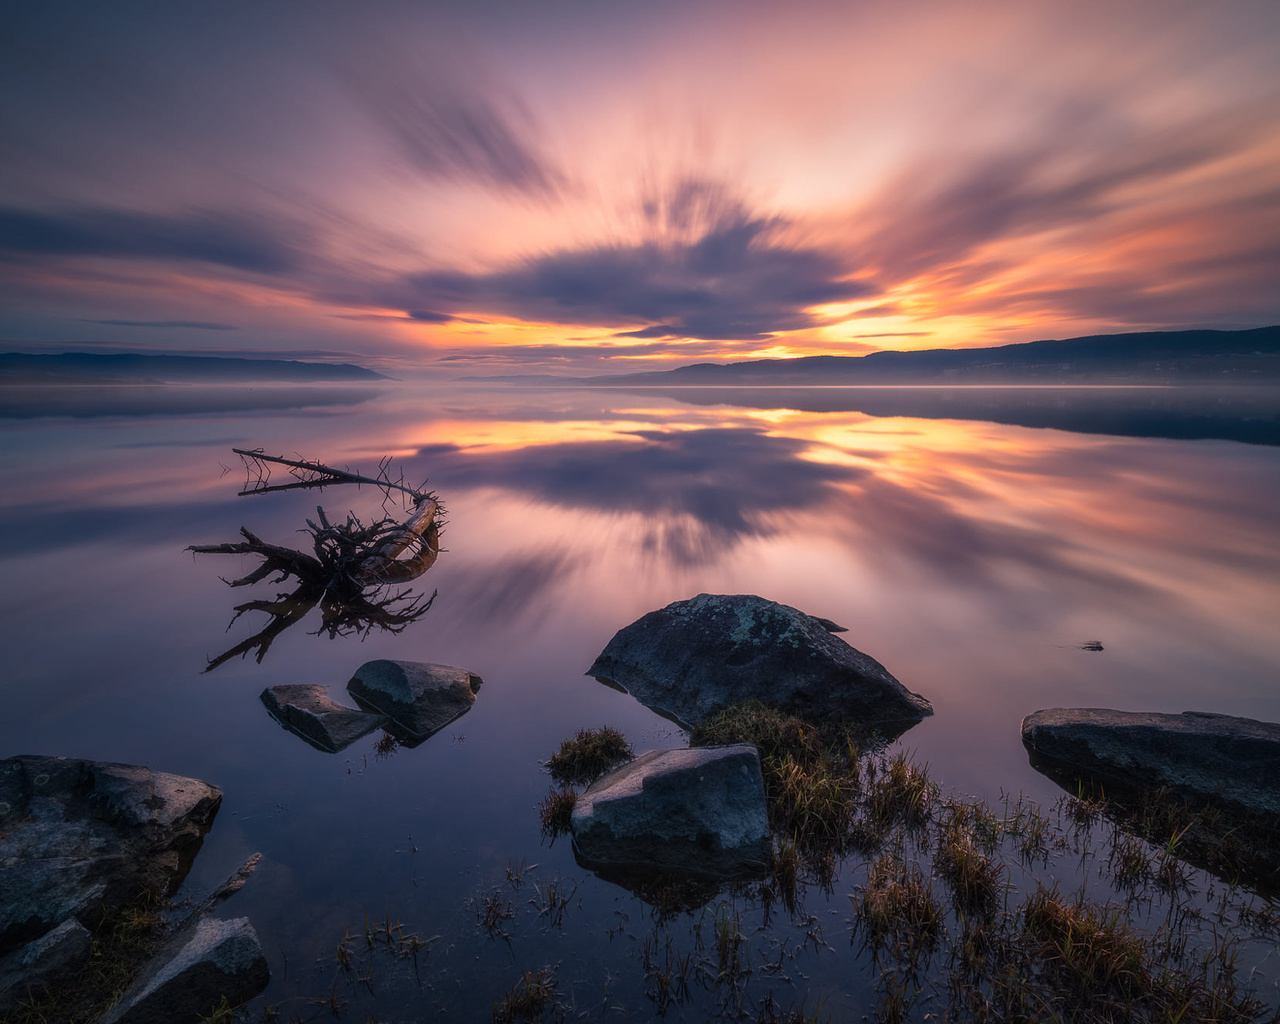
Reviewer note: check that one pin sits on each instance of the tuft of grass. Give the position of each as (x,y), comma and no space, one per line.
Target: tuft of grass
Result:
(493,911)
(556,812)
(773,1012)
(552,898)
(730,943)
(1129,863)
(784,874)
(771,732)
(588,755)
(516,871)
(814,801)
(386,746)
(896,911)
(666,972)
(1088,950)
(974,879)
(531,998)
(902,792)
(811,779)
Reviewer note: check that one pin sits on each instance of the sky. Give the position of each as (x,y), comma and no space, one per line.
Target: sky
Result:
(602,187)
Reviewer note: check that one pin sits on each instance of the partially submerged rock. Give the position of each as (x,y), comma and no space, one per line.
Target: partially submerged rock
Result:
(79,836)
(694,811)
(419,698)
(693,658)
(42,963)
(307,711)
(1208,757)
(203,963)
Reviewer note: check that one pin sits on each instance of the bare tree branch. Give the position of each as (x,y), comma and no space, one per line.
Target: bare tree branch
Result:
(350,560)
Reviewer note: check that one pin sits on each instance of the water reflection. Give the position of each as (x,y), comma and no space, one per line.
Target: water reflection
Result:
(695,492)
(1236,413)
(95,402)
(969,557)
(1235,845)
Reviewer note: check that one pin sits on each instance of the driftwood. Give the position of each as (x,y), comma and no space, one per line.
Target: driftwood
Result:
(349,561)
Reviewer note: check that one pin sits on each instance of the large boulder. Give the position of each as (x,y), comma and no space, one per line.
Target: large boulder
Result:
(693,658)
(43,963)
(697,811)
(203,963)
(306,710)
(77,836)
(1205,756)
(420,698)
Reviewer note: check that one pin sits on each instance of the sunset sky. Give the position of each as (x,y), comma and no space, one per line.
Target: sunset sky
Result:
(594,187)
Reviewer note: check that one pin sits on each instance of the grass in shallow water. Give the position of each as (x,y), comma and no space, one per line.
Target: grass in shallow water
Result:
(588,755)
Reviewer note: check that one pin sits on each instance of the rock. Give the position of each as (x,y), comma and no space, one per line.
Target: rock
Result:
(700,811)
(43,963)
(693,658)
(421,699)
(81,835)
(307,711)
(1201,755)
(200,965)
(235,881)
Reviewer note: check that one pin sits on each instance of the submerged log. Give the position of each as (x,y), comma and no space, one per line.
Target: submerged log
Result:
(350,560)
(420,535)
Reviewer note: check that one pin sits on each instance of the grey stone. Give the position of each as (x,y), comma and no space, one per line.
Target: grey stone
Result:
(693,658)
(200,965)
(308,711)
(420,698)
(696,810)
(79,835)
(43,963)
(1202,755)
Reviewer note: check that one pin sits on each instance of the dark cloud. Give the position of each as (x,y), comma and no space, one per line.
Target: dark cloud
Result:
(731,279)
(198,325)
(656,331)
(228,239)
(427,316)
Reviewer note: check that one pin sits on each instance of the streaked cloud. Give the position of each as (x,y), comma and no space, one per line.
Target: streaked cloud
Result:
(230,239)
(431,183)
(449,131)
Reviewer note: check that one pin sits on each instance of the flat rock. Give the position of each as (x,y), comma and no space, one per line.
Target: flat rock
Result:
(307,711)
(700,811)
(202,963)
(80,835)
(1203,755)
(693,658)
(419,698)
(43,963)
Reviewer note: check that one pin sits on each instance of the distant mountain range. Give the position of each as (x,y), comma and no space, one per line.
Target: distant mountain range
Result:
(94,368)
(1158,357)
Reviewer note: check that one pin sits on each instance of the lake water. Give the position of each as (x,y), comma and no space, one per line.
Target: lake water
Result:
(971,541)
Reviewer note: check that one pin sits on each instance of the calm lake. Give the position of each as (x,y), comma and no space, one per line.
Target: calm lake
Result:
(971,541)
